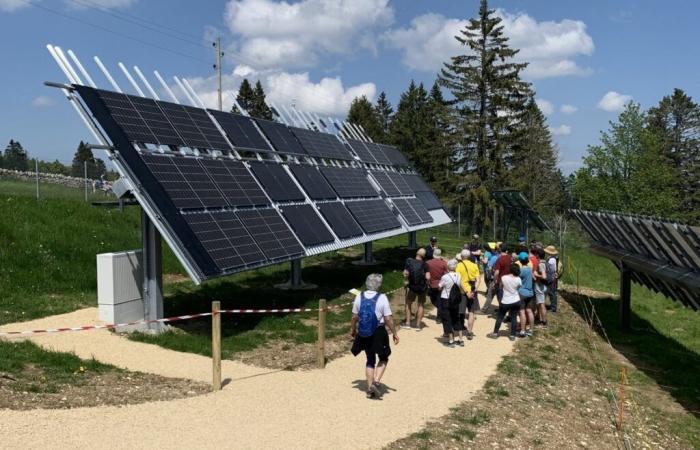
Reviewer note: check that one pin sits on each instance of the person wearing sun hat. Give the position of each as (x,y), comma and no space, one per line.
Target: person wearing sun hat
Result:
(552,277)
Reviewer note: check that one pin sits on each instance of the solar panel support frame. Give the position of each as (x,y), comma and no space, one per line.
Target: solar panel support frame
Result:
(295,281)
(367,256)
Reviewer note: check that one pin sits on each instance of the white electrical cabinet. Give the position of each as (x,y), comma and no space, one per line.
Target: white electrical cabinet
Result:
(120,286)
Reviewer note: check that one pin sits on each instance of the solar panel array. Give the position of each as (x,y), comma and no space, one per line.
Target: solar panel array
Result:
(222,214)
(663,256)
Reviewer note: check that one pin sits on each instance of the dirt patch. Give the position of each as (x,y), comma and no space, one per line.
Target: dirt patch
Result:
(172,278)
(555,391)
(35,391)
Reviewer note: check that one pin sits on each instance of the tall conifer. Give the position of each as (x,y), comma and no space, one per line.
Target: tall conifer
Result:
(362,113)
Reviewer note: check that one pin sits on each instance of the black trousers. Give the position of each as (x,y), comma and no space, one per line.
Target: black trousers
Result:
(513,308)
(450,317)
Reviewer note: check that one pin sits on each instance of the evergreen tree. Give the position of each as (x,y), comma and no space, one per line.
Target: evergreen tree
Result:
(15,157)
(384,112)
(408,130)
(676,124)
(441,143)
(95,167)
(362,113)
(259,107)
(490,97)
(245,97)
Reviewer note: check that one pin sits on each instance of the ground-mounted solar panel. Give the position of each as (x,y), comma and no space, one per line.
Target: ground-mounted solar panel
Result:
(396,157)
(235,182)
(378,153)
(315,185)
(373,215)
(340,220)
(420,209)
(186,182)
(415,183)
(407,212)
(194,126)
(306,224)
(386,184)
(429,200)
(281,137)
(348,182)
(226,239)
(361,151)
(271,233)
(322,145)
(277,182)
(400,183)
(240,130)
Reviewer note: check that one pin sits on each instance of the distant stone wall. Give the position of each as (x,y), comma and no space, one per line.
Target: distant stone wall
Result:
(44,178)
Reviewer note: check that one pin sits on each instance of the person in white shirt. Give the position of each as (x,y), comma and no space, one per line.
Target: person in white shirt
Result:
(371,315)
(511,302)
(451,322)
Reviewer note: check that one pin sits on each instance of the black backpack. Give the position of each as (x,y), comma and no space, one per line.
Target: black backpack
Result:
(416,276)
(454,298)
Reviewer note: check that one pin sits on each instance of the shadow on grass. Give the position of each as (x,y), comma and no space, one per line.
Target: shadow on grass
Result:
(675,368)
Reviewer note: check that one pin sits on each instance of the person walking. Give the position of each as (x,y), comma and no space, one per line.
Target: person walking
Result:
(430,248)
(417,279)
(450,298)
(437,268)
(469,273)
(371,315)
(527,295)
(552,276)
(510,302)
(489,277)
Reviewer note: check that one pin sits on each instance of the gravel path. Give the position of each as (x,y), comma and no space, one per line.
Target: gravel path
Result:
(260,408)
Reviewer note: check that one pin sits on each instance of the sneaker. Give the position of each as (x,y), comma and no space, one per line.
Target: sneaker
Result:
(375,389)
(417,328)
(492,335)
(370,393)
(511,337)
(529,333)
(460,343)
(470,335)
(543,324)
(521,334)
(406,326)
(450,344)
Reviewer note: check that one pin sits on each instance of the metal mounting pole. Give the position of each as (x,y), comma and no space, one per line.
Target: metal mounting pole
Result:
(367,256)
(625,297)
(152,273)
(412,240)
(295,282)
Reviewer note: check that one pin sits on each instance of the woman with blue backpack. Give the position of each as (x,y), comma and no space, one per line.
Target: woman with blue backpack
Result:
(371,315)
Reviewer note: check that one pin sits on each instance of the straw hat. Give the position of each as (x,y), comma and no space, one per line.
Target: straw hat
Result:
(551,250)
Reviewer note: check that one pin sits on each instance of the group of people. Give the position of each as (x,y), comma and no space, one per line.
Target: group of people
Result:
(521,281)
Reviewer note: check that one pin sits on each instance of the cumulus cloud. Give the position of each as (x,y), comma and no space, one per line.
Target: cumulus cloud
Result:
(613,101)
(561,130)
(545,106)
(568,109)
(43,101)
(282,34)
(549,46)
(100,4)
(12,5)
(329,96)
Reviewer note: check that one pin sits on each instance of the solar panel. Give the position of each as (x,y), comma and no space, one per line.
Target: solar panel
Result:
(348,183)
(386,184)
(377,153)
(340,220)
(185,181)
(277,182)
(322,145)
(313,182)
(415,183)
(400,183)
(280,137)
(194,126)
(225,238)
(407,212)
(272,235)
(373,215)
(361,151)
(420,209)
(241,130)
(306,224)
(429,200)
(394,154)
(235,182)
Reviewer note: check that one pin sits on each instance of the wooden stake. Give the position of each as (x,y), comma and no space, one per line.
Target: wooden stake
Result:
(216,345)
(321,347)
(621,400)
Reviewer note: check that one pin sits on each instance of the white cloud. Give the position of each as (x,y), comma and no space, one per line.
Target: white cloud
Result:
(613,101)
(100,4)
(326,97)
(43,101)
(561,130)
(12,5)
(545,106)
(550,47)
(568,109)
(243,71)
(281,34)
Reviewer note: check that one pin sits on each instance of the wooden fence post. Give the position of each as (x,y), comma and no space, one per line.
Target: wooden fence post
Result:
(621,399)
(321,345)
(216,345)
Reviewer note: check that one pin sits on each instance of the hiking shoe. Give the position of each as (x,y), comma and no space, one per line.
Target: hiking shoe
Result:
(529,333)
(417,328)
(450,344)
(375,389)
(511,337)
(521,334)
(492,335)
(470,335)
(370,393)
(460,343)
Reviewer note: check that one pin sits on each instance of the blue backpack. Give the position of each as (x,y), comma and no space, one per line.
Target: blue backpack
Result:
(367,315)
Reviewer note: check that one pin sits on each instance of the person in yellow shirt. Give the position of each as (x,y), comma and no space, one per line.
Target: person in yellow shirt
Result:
(468,272)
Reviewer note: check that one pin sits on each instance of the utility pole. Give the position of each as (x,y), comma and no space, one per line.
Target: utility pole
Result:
(217,67)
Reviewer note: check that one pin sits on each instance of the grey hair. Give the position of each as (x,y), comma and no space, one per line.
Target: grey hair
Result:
(465,254)
(452,265)
(437,253)
(374,281)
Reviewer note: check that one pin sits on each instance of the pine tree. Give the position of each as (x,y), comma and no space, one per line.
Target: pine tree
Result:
(676,124)
(490,97)
(15,157)
(441,143)
(384,112)
(362,113)
(259,106)
(245,97)
(408,130)
(95,167)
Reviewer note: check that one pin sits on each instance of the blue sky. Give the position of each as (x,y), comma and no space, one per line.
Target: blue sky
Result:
(588,58)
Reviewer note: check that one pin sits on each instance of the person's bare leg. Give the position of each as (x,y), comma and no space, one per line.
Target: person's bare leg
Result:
(379,371)
(523,320)
(543,312)
(530,319)
(407,313)
(419,314)
(369,372)
(470,323)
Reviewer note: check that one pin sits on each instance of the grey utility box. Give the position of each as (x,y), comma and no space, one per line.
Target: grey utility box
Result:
(120,286)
